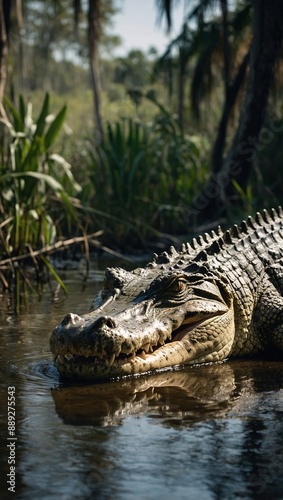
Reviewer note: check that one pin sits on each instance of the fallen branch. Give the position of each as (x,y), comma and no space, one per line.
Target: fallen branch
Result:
(97,244)
(58,246)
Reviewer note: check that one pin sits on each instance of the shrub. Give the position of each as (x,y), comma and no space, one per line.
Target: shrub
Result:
(143,176)
(35,183)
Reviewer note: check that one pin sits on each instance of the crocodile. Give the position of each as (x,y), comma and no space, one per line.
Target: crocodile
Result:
(219,296)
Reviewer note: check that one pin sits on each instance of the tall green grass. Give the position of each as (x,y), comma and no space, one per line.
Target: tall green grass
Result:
(143,177)
(36,184)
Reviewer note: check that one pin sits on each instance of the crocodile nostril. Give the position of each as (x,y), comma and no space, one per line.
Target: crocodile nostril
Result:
(110,323)
(105,321)
(71,319)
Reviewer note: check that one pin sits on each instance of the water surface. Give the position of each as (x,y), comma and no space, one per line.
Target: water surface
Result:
(206,432)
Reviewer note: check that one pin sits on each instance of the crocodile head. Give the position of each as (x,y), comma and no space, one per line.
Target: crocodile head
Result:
(144,321)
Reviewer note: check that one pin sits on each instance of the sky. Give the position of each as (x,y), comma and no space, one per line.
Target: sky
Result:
(138,27)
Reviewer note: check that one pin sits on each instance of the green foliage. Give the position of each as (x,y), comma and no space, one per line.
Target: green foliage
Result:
(245,196)
(127,69)
(197,51)
(143,175)
(35,184)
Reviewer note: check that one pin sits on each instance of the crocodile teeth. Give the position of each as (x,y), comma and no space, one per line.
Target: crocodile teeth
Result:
(145,347)
(128,359)
(111,360)
(142,355)
(132,357)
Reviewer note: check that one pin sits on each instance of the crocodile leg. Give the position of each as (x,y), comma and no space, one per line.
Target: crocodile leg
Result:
(269,314)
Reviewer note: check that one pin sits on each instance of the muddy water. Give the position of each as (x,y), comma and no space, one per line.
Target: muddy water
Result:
(207,432)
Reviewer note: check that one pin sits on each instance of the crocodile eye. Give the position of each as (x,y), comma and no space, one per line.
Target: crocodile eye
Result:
(178,286)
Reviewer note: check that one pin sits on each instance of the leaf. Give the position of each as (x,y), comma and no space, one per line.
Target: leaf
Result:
(67,202)
(22,108)
(67,169)
(55,185)
(18,123)
(134,166)
(34,150)
(54,128)
(42,117)
(54,274)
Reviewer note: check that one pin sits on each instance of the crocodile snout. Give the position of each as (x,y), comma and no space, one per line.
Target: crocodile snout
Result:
(71,319)
(104,321)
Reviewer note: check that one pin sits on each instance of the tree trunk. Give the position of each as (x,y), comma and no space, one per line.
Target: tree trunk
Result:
(231,95)
(226,44)
(94,31)
(181,89)
(20,21)
(266,43)
(3,57)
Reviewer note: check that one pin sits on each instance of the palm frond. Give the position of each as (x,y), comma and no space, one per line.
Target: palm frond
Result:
(205,47)
(198,12)
(165,8)
(241,18)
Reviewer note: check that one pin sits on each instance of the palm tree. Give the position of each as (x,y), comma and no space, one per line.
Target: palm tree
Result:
(213,37)
(3,54)
(182,43)
(94,23)
(94,20)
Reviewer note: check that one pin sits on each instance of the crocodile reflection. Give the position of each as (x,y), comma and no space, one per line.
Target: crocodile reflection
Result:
(178,397)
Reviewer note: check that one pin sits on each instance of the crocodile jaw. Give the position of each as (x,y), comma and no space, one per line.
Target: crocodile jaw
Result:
(96,369)
(188,344)
(179,319)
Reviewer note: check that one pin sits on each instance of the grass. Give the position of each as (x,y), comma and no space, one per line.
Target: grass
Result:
(142,176)
(135,185)
(36,184)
